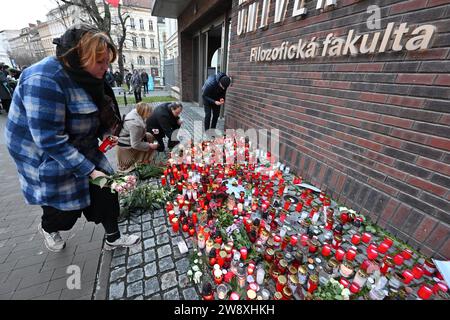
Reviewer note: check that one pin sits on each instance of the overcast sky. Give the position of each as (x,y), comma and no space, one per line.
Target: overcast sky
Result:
(16,14)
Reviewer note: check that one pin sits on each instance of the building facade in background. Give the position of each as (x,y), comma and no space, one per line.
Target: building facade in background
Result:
(5,48)
(358,89)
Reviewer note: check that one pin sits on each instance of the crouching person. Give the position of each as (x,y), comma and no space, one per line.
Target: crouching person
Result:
(135,143)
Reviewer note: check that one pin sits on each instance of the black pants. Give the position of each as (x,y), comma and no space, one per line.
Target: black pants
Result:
(145,87)
(5,104)
(215,116)
(104,209)
(137,95)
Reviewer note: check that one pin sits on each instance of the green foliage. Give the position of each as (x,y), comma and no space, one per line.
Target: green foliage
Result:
(147,171)
(241,238)
(224,219)
(145,197)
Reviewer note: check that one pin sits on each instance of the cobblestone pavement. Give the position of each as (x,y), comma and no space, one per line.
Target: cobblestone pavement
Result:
(29,271)
(154,269)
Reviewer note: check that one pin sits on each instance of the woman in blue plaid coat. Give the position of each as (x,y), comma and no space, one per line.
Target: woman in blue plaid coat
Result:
(62,106)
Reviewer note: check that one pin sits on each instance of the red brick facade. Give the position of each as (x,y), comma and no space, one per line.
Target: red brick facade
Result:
(371,130)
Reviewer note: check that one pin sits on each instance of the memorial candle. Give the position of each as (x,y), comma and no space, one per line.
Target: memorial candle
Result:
(326,250)
(351,254)
(424,292)
(366,237)
(340,253)
(408,276)
(356,238)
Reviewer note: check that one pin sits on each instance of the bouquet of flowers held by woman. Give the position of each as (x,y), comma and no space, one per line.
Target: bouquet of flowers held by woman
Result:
(117,183)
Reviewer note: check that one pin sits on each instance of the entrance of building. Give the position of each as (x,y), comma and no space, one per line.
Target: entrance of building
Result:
(209,56)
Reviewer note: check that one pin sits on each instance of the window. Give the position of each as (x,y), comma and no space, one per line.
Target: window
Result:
(143,43)
(154,61)
(123,58)
(150,25)
(134,42)
(152,43)
(132,25)
(141,24)
(141,60)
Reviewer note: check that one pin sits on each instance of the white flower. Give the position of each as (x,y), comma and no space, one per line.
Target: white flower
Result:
(341,286)
(346,292)
(190,273)
(114,185)
(197,276)
(195,268)
(196,261)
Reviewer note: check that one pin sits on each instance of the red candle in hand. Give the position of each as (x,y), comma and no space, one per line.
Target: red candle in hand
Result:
(326,250)
(424,292)
(356,239)
(366,237)
(340,253)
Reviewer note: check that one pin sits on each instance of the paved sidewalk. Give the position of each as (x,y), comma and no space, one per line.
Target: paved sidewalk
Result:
(154,269)
(27,269)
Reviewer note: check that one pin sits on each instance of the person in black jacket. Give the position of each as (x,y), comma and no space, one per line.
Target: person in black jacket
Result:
(164,121)
(213,93)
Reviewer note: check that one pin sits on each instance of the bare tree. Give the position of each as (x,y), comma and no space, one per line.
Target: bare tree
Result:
(63,10)
(23,57)
(101,18)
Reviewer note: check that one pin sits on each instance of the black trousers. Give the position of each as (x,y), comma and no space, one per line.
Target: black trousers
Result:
(145,87)
(5,104)
(104,209)
(215,116)
(137,95)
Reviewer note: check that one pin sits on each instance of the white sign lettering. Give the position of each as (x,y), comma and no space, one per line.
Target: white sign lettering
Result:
(392,39)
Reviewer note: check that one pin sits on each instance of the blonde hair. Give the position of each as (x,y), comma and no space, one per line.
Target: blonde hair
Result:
(91,47)
(144,109)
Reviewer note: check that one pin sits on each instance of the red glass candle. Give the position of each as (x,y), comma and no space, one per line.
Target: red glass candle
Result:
(344,217)
(281,190)
(365,265)
(322,196)
(243,252)
(293,241)
(304,240)
(340,253)
(312,247)
(344,282)
(356,238)
(366,237)
(299,206)
(309,200)
(194,218)
(313,283)
(326,250)
(313,212)
(175,225)
(351,254)
(389,242)
(383,248)
(407,254)
(191,231)
(163,181)
(354,288)
(372,254)
(169,206)
(221,258)
(440,286)
(424,292)
(171,215)
(398,259)
(218,276)
(185,227)
(408,276)
(287,205)
(281,283)
(417,271)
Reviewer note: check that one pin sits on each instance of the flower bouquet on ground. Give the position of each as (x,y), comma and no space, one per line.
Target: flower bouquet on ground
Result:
(117,183)
(333,290)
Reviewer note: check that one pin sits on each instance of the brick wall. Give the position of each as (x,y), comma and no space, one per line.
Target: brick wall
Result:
(372,130)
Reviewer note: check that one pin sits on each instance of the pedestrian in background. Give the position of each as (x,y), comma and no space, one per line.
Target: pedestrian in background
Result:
(213,94)
(62,107)
(135,143)
(144,76)
(6,92)
(128,81)
(136,84)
